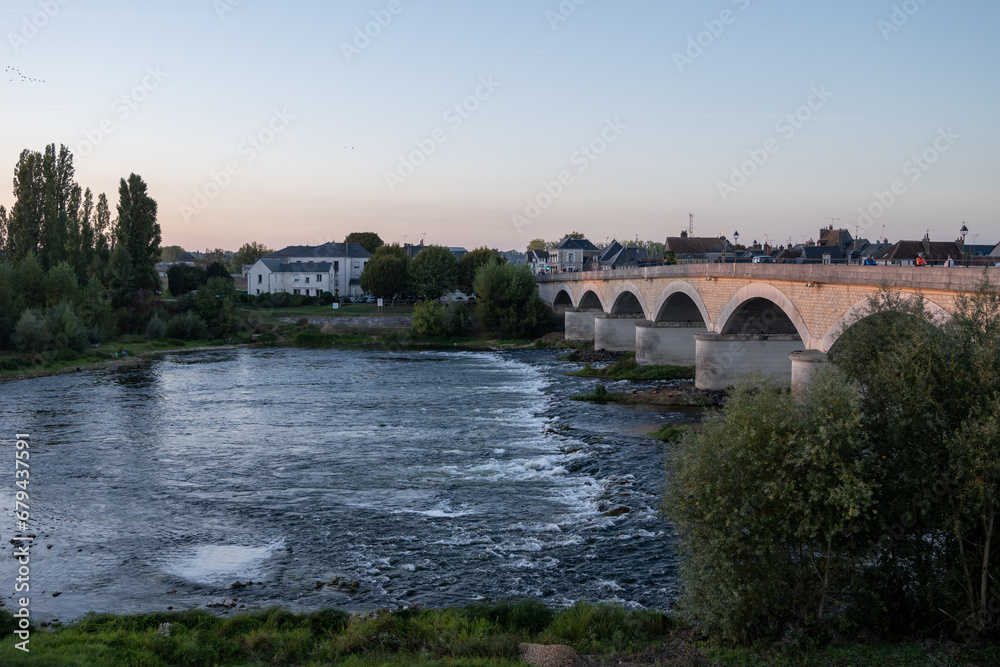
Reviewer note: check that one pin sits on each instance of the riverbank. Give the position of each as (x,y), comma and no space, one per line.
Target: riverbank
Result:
(494,635)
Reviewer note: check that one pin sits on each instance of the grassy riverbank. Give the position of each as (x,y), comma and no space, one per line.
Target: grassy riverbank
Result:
(627,368)
(483,635)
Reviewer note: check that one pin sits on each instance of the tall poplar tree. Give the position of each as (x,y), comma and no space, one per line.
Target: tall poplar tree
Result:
(25,217)
(137,231)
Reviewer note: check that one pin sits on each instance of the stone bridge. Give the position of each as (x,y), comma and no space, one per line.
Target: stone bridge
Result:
(728,319)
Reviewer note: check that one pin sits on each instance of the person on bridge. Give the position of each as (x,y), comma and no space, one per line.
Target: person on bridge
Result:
(949,262)
(920,261)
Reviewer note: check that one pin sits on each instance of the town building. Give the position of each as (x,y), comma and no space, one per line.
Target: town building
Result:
(311,270)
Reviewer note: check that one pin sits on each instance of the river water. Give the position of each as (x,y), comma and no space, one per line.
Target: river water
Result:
(432,478)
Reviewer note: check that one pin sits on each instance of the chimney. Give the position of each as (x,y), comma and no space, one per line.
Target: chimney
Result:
(927,245)
(684,234)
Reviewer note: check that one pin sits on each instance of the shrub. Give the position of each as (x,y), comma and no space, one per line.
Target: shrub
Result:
(296,301)
(31,335)
(456,319)
(428,319)
(65,327)
(187,327)
(156,329)
(326,299)
(67,354)
(280,299)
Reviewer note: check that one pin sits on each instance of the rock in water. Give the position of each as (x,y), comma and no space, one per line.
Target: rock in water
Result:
(554,655)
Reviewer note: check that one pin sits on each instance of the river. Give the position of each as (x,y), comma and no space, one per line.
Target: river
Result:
(431,478)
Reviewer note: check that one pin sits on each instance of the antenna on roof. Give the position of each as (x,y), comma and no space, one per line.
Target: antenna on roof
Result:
(422,235)
(690,224)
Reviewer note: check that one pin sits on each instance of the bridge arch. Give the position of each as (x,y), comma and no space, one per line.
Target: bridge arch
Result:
(680,302)
(754,304)
(591,300)
(859,311)
(562,301)
(627,300)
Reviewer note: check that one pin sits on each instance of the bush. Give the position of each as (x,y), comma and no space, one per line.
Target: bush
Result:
(67,354)
(65,327)
(296,301)
(456,319)
(156,329)
(428,319)
(31,335)
(508,301)
(771,493)
(326,299)
(187,327)
(280,299)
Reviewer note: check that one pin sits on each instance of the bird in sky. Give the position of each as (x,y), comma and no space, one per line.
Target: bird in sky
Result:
(15,72)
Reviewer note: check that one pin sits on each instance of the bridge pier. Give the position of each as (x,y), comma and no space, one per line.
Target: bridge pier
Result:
(666,343)
(580,324)
(615,333)
(720,359)
(805,363)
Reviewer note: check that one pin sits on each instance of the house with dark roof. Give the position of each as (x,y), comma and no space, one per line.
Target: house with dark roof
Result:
(572,254)
(616,256)
(539,261)
(697,250)
(904,253)
(311,270)
(812,254)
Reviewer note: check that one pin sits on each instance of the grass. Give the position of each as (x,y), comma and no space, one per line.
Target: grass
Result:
(599,395)
(627,368)
(13,364)
(271,315)
(473,635)
(484,635)
(668,433)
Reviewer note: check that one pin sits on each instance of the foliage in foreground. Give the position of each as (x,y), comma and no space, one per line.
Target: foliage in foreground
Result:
(870,503)
(476,634)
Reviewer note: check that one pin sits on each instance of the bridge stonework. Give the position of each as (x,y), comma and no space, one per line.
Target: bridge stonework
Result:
(745,308)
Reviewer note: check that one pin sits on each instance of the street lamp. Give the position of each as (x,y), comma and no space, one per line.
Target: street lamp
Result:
(963,232)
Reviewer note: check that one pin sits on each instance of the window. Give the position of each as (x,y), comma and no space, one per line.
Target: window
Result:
(258,291)
(336,267)
(572,258)
(260,278)
(307,280)
(295,291)
(296,278)
(319,277)
(357,265)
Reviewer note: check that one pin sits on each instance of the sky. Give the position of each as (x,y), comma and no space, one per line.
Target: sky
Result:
(474,122)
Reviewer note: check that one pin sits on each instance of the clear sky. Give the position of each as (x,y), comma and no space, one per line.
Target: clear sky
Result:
(284,123)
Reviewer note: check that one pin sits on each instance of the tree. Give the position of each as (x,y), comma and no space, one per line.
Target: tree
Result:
(61,284)
(58,206)
(216,304)
(428,319)
(370,241)
(182,279)
(217,270)
(433,272)
(25,218)
(537,244)
(249,253)
(470,263)
(384,275)
(212,257)
(138,232)
(574,235)
(170,253)
(507,300)
(767,499)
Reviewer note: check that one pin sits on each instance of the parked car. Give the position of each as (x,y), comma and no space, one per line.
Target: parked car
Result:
(763,259)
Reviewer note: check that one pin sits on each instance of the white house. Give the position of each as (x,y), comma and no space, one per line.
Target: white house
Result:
(310,270)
